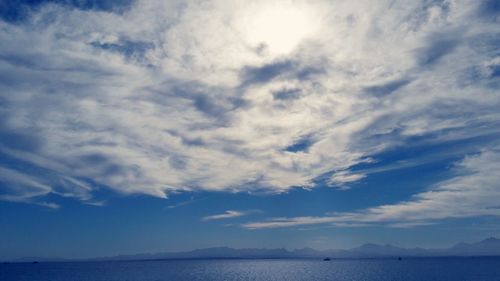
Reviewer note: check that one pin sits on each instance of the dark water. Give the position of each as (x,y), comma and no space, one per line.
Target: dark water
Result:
(456,269)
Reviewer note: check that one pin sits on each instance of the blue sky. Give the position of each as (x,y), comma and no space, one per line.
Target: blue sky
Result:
(148,126)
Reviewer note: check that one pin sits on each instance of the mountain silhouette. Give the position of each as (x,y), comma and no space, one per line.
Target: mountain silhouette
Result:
(486,247)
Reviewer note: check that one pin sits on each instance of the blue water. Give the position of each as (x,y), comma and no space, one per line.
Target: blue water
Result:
(429,269)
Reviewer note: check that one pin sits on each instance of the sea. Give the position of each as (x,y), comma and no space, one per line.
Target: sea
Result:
(410,269)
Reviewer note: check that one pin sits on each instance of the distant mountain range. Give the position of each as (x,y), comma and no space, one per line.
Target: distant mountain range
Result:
(487,247)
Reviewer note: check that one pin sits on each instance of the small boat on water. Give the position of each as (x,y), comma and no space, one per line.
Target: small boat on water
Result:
(327,259)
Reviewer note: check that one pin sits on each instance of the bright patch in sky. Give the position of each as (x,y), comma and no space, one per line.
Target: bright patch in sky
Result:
(277,27)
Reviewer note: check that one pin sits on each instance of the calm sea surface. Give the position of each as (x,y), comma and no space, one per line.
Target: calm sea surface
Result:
(455,269)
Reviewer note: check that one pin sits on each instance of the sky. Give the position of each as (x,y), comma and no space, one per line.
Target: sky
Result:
(148,126)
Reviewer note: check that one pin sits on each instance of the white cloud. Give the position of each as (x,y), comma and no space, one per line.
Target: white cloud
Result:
(96,203)
(226,215)
(344,177)
(472,192)
(172,96)
(49,205)
(21,186)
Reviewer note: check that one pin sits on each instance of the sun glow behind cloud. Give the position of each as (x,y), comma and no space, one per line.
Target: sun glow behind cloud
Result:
(277,26)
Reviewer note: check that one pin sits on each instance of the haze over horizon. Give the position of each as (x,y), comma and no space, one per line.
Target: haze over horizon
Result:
(148,126)
(489,247)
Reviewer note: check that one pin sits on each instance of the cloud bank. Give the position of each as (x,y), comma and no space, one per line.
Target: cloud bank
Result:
(166,96)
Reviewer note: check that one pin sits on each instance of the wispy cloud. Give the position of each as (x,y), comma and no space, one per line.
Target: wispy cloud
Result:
(344,177)
(473,192)
(230,214)
(49,205)
(226,215)
(96,203)
(183,203)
